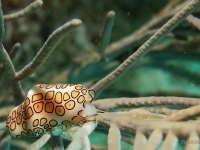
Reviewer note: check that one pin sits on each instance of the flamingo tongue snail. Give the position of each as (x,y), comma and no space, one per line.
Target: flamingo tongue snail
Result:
(49,106)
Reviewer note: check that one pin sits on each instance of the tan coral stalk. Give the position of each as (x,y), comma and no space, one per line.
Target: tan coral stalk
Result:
(114,138)
(27,10)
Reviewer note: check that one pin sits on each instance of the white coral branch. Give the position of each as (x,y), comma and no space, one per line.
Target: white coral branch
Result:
(40,142)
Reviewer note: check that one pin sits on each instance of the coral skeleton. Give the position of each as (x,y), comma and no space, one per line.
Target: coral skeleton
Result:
(64,115)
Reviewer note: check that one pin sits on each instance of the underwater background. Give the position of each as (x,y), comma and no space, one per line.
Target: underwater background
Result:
(170,69)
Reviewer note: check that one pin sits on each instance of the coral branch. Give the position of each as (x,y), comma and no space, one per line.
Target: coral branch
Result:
(57,143)
(135,39)
(20,144)
(142,32)
(140,113)
(86,143)
(160,110)
(12,54)
(152,143)
(2,125)
(4,111)
(47,48)
(40,142)
(107,29)
(79,138)
(192,142)
(170,141)
(14,49)
(130,125)
(5,142)
(2,30)
(98,147)
(8,66)
(193,21)
(140,140)
(18,93)
(114,138)
(27,10)
(184,114)
(168,8)
(146,47)
(106,104)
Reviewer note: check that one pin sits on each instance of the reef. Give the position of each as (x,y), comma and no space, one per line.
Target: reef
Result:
(144,101)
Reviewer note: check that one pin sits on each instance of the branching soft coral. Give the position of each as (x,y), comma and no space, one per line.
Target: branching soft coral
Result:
(66,111)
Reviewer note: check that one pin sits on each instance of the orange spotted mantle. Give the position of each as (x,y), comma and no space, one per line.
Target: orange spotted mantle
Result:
(47,106)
